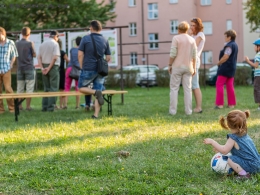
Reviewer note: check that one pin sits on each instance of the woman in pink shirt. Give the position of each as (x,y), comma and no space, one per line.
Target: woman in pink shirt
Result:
(182,65)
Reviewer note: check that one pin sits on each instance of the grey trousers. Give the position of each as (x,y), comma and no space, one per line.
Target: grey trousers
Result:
(51,84)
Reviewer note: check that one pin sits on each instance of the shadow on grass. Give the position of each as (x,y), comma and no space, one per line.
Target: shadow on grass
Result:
(176,165)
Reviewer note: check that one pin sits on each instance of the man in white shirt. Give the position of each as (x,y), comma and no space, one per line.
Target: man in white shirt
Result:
(49,61)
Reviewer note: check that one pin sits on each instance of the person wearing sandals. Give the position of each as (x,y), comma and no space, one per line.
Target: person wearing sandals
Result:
(226,71)
(88,64)
(68,80)
(245,158)
(198,35)
(25,68)
(63,58)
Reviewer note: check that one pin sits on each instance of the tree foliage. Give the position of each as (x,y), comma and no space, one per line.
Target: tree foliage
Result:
(253,13)
(38,14)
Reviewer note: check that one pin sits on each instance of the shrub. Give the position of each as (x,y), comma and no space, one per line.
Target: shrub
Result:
(129,78)
(243,76)
(163,78)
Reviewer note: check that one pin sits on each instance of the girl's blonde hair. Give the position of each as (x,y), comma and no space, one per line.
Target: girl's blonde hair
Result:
(235,120)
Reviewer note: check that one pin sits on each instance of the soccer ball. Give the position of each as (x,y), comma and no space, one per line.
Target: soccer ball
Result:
(219,163)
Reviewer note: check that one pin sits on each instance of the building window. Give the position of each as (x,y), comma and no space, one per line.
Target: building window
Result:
(131,3)
(153,37)
(132,28)
(174,26)
(112,2)
(207,28)
(205,2)
(228,1)
(206,57)
(133,59)
(152,11)
(229,24)
(173,1)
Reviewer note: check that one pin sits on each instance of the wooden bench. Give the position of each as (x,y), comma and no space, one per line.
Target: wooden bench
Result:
(20,97)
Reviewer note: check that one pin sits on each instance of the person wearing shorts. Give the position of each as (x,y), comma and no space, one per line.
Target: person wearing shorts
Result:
(197,33)
(25,70)
(88,64)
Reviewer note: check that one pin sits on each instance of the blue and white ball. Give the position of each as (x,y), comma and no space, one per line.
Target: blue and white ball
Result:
(219,163)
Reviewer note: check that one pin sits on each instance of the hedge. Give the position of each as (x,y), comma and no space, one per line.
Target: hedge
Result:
(243,76)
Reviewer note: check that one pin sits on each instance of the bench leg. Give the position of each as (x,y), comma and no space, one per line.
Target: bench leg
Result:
(16,107)
(109,103)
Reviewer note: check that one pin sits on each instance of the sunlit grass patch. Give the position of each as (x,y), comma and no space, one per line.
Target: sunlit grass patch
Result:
(66,152)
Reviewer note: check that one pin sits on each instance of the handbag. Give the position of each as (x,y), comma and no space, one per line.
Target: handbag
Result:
(75,72)
(102,65)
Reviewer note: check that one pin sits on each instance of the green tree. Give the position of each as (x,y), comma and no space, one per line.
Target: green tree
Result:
(253,13)
(38,14)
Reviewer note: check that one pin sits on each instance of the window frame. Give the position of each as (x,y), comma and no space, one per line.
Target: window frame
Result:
(153,11)
(175,31)
(114,9)
(174,1)
(208,55)
(205,2)
(132,28)
(228,2)
(133,58)
(154,45)
(229,24)
(131,3)
(206,27)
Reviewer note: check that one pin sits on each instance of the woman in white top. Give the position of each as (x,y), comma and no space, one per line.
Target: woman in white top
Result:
(196,28)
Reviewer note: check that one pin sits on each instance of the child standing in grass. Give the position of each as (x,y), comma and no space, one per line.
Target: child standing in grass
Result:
(245,158)
(257,72)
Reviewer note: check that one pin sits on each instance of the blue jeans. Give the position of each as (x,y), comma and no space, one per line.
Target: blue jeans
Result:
(87,77)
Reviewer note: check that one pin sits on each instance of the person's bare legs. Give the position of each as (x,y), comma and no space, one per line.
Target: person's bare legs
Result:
(89,91)
(77,101)
(97,108)
(236,167)
(66,101)
(28,103)
(198,99)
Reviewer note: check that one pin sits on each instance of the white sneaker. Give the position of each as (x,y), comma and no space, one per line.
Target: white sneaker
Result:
(258,108)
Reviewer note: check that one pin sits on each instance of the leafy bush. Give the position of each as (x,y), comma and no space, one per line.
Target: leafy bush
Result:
(110,80)
(129,78)
(163,78)
(243,76)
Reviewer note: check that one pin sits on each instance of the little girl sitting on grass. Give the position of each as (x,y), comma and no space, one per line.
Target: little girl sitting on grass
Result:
(245,158)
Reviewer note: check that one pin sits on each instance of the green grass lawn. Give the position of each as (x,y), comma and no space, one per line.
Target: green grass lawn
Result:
(67,152)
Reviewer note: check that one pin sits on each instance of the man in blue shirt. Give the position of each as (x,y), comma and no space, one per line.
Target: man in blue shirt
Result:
(88,64)
(8,53)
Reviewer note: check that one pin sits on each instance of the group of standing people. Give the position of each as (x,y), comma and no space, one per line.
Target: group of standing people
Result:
(51,60)
(184,63)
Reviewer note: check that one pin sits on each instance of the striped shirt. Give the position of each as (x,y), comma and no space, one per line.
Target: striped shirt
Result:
(7,53)
(257,70)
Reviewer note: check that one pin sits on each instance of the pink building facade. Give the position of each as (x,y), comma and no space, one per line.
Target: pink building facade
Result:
(156,21)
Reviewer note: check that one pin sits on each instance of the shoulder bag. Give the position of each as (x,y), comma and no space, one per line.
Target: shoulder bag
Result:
(102,65)
(75,72)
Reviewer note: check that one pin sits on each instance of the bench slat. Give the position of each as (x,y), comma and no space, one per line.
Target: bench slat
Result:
(53,94)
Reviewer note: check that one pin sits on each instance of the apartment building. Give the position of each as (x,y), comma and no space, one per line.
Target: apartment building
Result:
(156,21)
